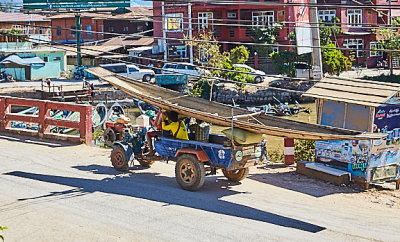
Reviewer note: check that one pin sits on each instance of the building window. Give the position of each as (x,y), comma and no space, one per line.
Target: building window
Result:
(326,15)
(177,50)
(140,28)
(58,31)
(46,59)
(111,29)
(373,45)
(354,17)
(173,22)
(126,29)
(262,19)
(355,44)
(56,58)
(89,29)
(204,18)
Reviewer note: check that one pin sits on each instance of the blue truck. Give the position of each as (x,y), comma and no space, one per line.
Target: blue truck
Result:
(194,159)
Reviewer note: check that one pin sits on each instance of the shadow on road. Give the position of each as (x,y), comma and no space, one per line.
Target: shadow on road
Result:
(36,141)
(154,187)
(291,180)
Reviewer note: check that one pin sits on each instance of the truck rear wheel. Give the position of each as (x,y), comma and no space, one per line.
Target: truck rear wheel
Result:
(189,172)
(236,175)
(118,159)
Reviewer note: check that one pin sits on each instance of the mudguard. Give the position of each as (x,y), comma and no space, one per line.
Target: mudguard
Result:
(128,149)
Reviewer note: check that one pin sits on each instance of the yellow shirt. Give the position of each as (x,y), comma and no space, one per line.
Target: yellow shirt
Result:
(173,127)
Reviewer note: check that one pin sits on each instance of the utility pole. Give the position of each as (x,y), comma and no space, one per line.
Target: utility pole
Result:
(316,44)
(190,33)
(164,24)
(78,39)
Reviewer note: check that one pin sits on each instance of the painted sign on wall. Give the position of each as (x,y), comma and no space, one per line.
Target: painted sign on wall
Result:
(74,4)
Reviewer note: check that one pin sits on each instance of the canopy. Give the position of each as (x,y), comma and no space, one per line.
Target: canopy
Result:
(221,114)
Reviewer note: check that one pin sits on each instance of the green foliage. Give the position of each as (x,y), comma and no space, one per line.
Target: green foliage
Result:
(304,150)
(389,39)
(285,62)
(13,31)
(202,89)
(265,36)
(384,78)
(1,229)
(239,55)
(326,32)
(276,156)
(334,61)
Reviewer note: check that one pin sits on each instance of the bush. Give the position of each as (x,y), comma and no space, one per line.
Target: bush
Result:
(304,150)
(276,156)
(384,78)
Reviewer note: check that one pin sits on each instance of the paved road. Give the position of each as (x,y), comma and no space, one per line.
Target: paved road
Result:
(60,192)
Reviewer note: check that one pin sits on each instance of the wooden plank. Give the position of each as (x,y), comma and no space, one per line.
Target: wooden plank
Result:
(361,83)
(356,90)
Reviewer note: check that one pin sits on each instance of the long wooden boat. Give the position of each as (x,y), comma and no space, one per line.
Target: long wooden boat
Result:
(221,114)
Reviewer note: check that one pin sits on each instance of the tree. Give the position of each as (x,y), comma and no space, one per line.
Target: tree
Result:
(389,39)
(212,58)
(265,36)
(334,61)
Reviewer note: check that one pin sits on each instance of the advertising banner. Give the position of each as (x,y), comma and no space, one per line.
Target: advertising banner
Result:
(74,4)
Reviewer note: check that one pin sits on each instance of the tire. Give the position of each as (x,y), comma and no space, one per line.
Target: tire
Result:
(109,137)
(189,172)
(146,78)
(146,163)
(118,159)
(236,175)
(258,79)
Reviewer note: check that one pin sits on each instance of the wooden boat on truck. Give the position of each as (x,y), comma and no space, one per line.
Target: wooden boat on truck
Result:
(196,159)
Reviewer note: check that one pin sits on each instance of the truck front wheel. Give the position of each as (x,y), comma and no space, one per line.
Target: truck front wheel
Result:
(118,159)
(189,172)
(236,175)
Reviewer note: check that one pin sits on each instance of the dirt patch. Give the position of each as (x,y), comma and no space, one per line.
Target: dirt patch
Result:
(287,178)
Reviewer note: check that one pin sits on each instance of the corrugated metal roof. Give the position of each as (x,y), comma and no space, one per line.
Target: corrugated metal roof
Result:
(21,17)
(145,41)
(23,61)
(89,50)
(137,13)
(355,91)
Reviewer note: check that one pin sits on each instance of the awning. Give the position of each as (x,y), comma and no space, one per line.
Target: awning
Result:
(23,61)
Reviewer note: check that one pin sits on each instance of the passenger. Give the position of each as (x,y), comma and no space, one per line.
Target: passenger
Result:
(176,126)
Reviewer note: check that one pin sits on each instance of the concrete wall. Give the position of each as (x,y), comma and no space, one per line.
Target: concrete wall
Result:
(17,73)
(50,70)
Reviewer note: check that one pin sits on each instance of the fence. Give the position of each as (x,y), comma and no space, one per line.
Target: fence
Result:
(44,121)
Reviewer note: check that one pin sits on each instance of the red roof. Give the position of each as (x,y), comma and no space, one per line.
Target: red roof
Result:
(21,17)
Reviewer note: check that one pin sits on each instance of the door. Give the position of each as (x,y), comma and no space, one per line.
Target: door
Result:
(133,72)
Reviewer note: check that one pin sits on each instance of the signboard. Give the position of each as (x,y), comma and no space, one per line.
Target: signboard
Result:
(74,4)
(303,27)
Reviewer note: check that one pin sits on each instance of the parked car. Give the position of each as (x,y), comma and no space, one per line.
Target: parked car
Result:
(193,71)
(257,74)
(303,70)
(131,71)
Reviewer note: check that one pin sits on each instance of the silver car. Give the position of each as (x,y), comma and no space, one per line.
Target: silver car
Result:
(257,74)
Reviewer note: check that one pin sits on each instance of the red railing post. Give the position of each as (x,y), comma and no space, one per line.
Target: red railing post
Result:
(2,113)
(85,129)
(289,151)
(44,113)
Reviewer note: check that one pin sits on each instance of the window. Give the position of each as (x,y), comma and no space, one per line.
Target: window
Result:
(133,69)
(326,15)
(111,29)
(58,31)
(177,50)
(89,28)
(272,50)
(173,22)
(204,18)
(354,17)
(373,45)
(357,44)
(57,58)
(126,29)
(46,59)
(140,28)
(262,19)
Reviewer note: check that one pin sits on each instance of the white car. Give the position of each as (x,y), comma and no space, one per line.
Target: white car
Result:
(257,74)
(131,71)
(193,72)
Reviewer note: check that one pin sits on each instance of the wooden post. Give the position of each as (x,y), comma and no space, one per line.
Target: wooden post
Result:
(2,113)
(85,126)
(289,151)
(255,60)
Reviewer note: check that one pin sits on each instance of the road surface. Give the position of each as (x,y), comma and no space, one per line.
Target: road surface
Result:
(53,191)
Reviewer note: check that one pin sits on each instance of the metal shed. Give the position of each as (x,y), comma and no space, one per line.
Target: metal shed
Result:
(366,106)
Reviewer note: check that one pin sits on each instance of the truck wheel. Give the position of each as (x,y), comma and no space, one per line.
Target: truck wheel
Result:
(118,159)
(189,172)
(146,163)
(109,137)
(236,175)
(146,78)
